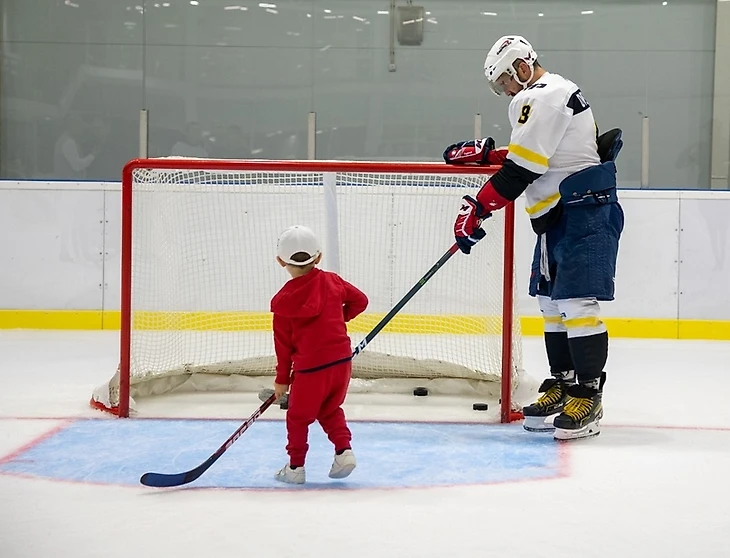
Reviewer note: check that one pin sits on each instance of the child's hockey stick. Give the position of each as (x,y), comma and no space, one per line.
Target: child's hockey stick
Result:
(177,479)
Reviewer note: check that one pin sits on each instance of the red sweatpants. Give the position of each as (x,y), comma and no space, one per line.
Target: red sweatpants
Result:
(317,396)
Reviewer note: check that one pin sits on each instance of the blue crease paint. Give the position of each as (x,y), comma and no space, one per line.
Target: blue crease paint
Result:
(389,454)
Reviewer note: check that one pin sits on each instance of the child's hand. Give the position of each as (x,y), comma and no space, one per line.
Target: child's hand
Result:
(280,389)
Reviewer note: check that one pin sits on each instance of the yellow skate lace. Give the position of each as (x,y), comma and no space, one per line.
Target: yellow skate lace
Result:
(578,408)
(551,396)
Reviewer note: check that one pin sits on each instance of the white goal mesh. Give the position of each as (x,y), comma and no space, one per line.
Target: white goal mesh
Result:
(201,272)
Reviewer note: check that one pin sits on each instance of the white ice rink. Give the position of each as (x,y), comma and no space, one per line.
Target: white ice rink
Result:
(655,483)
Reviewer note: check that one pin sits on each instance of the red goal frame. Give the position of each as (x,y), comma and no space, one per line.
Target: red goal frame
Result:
(370,167)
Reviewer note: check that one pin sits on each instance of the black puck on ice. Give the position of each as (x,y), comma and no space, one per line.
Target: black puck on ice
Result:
(480,406)
(420,391)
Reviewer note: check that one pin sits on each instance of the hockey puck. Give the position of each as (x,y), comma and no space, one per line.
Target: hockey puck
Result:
(284,405)
(420,391)
(480,406)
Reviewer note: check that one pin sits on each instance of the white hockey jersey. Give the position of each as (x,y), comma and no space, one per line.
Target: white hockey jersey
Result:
(554,135)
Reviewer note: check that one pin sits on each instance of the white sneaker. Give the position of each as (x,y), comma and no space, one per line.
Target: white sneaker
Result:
(343,465)
(291,476)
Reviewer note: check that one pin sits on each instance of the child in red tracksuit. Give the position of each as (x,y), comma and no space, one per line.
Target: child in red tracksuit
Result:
(310,312)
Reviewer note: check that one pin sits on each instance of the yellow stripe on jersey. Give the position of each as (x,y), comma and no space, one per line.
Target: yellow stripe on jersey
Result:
(528,155)
(547,202)
(553,319)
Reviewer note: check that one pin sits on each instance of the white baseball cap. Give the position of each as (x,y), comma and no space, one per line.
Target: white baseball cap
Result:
(295,239)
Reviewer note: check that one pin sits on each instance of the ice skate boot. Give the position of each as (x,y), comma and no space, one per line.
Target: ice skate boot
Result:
(554,395)
(582,412)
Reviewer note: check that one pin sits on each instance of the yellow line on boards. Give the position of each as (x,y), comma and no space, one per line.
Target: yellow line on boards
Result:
(403,324)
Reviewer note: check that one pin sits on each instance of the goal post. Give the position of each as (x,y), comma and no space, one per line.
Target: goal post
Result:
(198,273)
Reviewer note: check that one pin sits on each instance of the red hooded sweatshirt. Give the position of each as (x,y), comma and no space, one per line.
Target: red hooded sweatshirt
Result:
(309,321)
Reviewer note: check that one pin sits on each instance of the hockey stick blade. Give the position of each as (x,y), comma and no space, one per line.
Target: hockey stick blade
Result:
(162,480)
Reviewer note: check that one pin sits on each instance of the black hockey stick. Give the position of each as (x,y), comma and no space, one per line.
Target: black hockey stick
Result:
(177,479)
(397,308)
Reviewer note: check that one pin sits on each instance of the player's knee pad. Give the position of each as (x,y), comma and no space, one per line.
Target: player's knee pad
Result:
(553,321)
(581,316)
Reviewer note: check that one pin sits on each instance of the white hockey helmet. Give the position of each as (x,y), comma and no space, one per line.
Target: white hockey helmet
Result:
(502,56)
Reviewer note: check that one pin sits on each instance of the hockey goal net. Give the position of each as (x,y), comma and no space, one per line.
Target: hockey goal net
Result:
(198,272)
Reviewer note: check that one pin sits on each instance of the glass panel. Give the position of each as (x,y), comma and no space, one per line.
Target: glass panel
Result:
(241,75)
(69,111)
(231,102)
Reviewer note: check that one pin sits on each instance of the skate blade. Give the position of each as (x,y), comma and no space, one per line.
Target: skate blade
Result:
(588,431)
(537,424)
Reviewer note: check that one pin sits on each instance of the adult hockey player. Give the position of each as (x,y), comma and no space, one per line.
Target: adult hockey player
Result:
(566,170)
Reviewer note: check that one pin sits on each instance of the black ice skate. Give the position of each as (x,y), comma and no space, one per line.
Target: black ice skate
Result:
(581,414)
(554,395)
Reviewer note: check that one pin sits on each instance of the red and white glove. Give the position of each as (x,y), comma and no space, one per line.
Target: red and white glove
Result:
(467,228)
(475,152)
